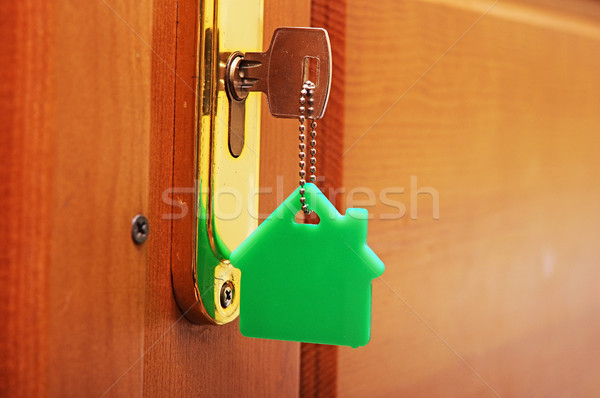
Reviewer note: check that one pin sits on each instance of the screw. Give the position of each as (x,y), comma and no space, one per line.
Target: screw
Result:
(139,229)
(226,294)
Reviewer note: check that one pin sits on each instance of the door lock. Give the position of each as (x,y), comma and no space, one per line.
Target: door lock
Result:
(231,72)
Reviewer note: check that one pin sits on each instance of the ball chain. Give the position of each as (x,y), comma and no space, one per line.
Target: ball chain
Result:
(307,98)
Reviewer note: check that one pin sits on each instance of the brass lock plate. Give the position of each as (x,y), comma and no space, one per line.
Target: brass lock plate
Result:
(232,72)
(208,290)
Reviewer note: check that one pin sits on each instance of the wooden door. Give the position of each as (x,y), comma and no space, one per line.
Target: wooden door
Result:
(476,122)
(469,130)
(98,123)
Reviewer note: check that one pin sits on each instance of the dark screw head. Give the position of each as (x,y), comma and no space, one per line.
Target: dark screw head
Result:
(139,229)
(227,294)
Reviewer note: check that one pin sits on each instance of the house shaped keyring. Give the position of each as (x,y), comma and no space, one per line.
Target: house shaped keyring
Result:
(308,282)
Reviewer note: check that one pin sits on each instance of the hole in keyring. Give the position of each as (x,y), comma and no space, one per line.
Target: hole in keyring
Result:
(311,218)
(311,70)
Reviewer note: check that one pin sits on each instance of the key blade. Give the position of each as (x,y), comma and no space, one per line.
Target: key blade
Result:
(294,56)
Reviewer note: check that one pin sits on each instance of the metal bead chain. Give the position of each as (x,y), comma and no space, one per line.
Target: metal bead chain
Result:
(306,98)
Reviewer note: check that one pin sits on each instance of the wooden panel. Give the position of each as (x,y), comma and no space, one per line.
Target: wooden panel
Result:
(183,359)
(99,183)
(500,294)
(77,104)
(25,185)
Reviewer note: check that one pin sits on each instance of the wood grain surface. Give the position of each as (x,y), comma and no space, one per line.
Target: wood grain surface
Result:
(100,181)
(25,189)
(499,113)
(77,155)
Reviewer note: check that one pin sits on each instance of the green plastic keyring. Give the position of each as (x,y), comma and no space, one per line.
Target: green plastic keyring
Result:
(308,282)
